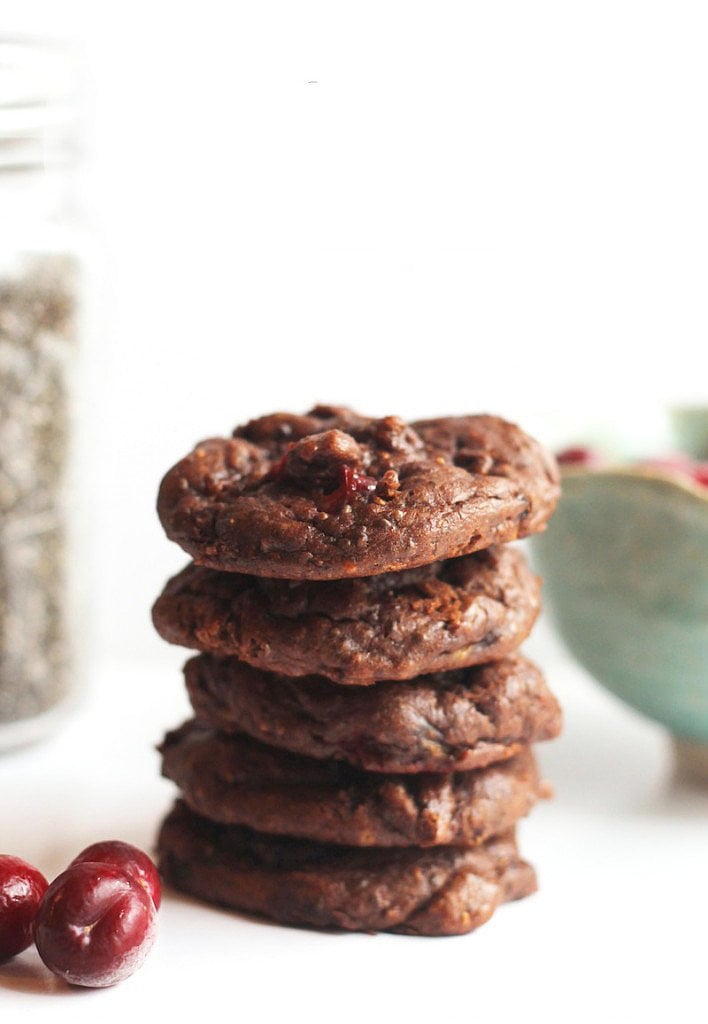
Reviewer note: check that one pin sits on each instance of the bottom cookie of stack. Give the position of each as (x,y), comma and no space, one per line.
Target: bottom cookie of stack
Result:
(442,890)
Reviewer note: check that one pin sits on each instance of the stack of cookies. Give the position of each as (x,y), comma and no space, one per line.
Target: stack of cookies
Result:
(360,751)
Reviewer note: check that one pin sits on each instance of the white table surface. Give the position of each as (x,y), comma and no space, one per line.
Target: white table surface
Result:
(616,933)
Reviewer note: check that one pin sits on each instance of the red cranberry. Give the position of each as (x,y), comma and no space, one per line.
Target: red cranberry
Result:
(95,926)
(129,859)
(578,456)
(351,482)
(315,462)
(21,890)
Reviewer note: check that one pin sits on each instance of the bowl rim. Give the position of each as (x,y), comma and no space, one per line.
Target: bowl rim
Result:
(639,472)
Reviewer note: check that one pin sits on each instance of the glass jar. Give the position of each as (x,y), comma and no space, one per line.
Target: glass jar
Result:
(39,273)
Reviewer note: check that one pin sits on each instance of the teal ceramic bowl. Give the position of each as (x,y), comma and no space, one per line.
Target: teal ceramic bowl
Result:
(625,564)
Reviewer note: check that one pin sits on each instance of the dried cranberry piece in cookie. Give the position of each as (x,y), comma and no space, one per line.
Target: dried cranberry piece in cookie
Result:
(351,483)
(316,462)
(328,464)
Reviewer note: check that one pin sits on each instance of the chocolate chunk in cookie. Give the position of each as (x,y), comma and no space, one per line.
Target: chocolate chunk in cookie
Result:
(450,721)
(237,781)
(437,617)
(333,494)
(445,891)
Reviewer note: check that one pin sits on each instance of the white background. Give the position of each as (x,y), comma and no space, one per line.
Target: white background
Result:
(410,207)
(615,935)
(416,208)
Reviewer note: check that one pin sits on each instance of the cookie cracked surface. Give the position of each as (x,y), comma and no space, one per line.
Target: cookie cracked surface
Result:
(449,721)
(333,494)
(445,891)
(437,617)
(236,780)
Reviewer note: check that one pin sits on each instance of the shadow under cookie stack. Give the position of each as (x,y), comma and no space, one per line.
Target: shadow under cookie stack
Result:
(360,751)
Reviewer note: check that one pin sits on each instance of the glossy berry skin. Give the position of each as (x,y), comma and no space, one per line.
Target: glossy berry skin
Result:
(95,926)
(21,890)
(130,859)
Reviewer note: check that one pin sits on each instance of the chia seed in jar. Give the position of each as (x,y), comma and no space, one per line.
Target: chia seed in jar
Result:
(38,343)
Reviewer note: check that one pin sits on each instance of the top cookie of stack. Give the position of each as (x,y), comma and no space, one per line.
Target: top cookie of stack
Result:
(332,494)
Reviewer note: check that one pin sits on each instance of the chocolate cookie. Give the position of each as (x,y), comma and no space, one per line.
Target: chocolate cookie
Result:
(450,721)
(446,891)
(464,611)
(235,780)
(333,494)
